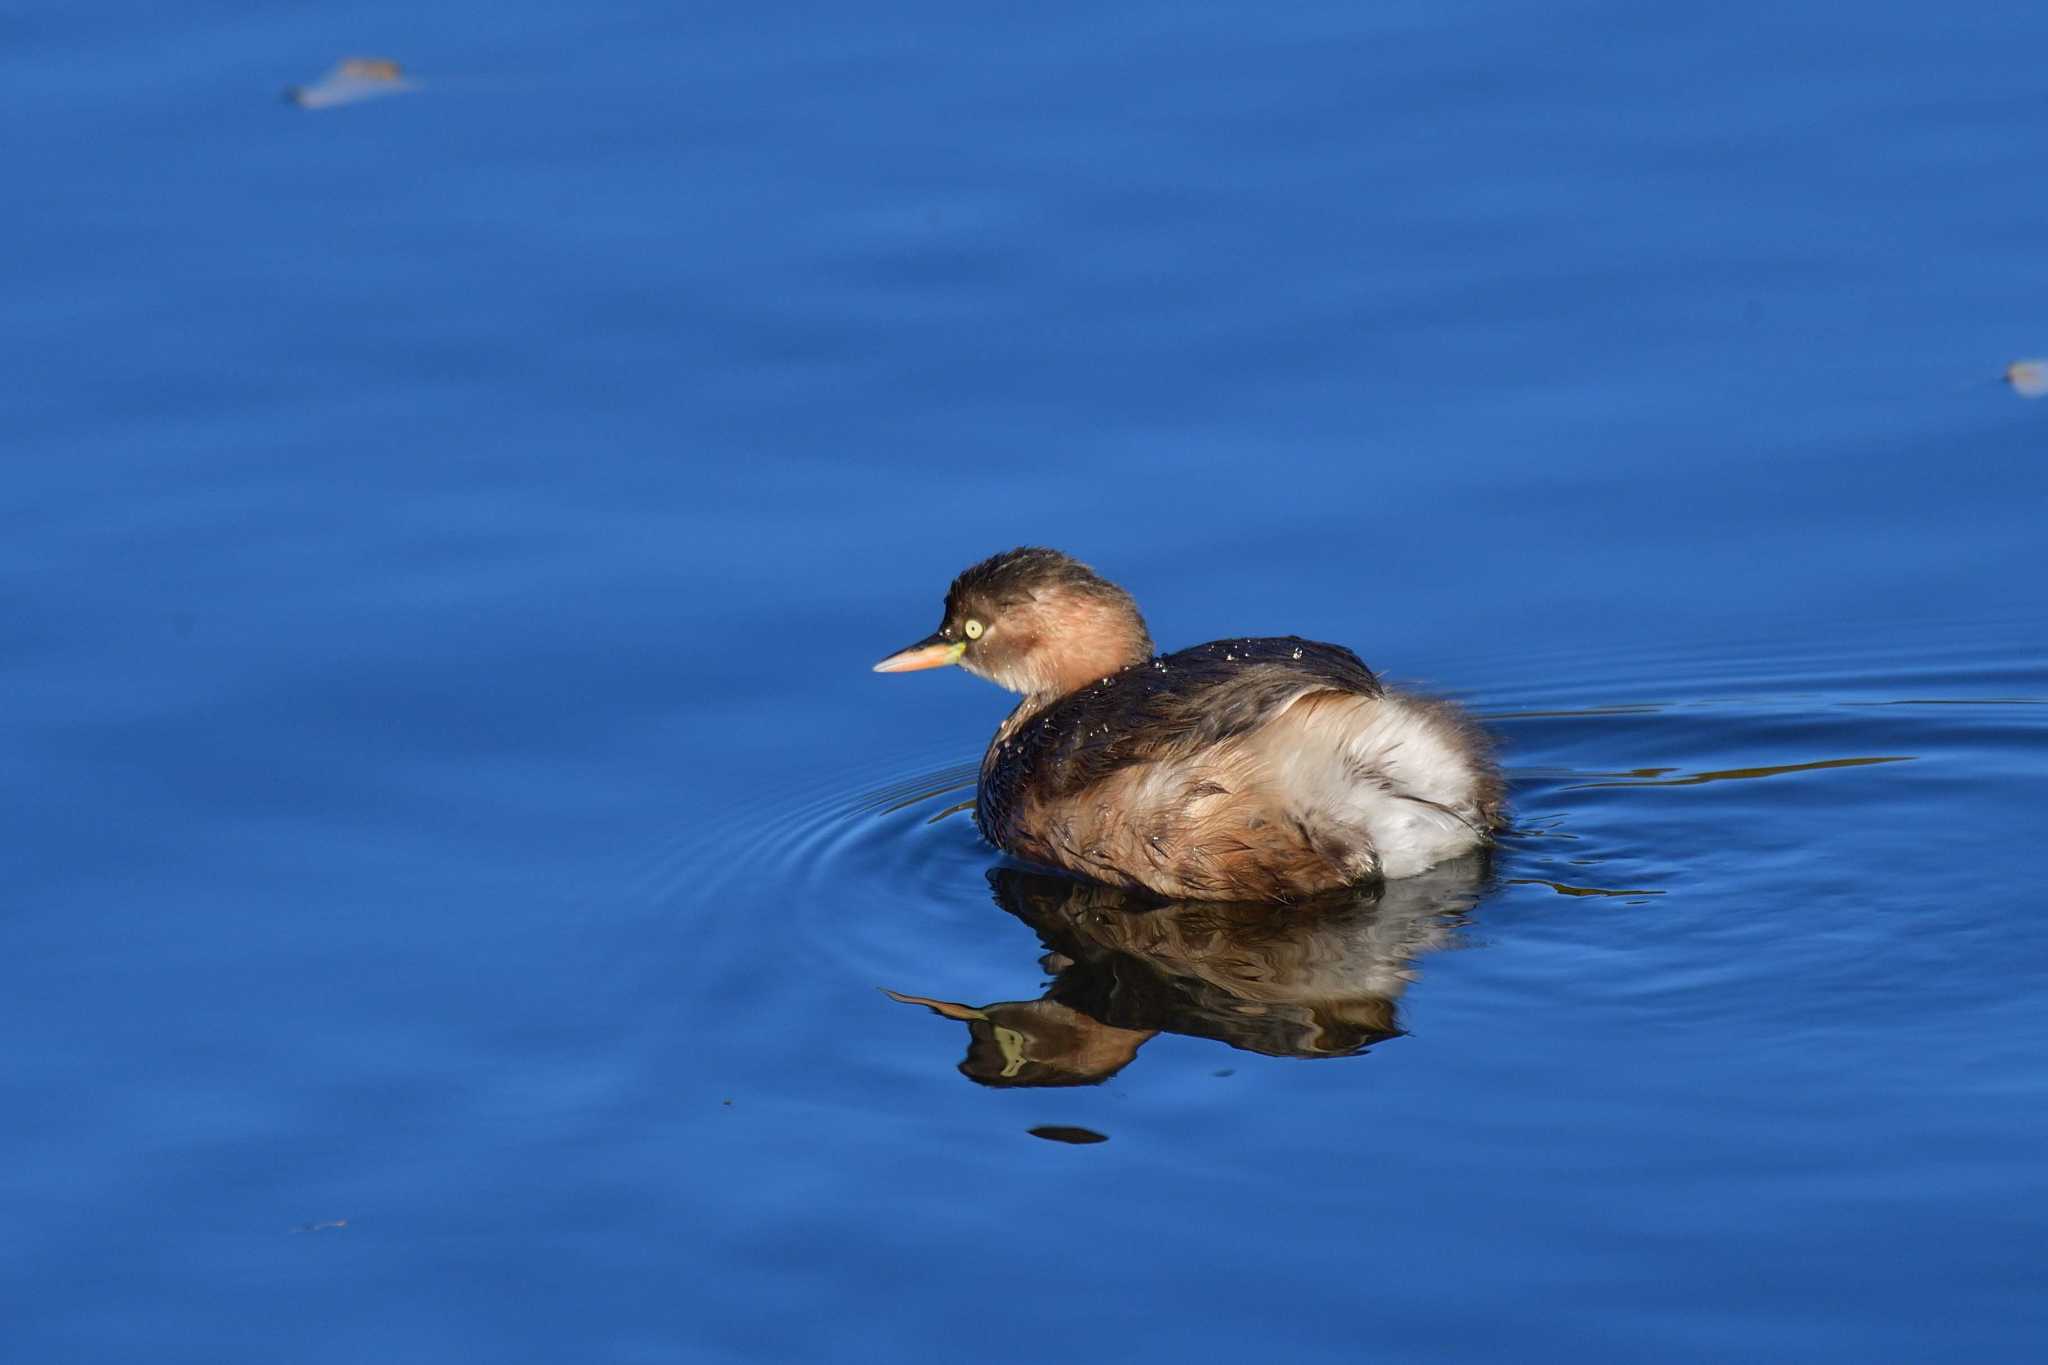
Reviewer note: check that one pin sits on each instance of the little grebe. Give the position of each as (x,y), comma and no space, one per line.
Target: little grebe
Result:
(1266,769)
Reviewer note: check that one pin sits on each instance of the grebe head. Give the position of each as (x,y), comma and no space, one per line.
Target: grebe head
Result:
(1034,621)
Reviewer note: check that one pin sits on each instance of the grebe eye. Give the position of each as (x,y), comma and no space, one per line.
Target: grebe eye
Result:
(973,629)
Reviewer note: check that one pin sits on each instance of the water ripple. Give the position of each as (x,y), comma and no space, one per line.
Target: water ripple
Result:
(874,872)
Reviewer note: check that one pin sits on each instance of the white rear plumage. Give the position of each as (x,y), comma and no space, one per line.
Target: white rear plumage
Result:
(1395,778)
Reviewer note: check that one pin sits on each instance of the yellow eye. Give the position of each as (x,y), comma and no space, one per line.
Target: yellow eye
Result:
(973,629)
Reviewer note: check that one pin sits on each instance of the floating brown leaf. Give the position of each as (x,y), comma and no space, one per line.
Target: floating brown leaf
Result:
(352,79)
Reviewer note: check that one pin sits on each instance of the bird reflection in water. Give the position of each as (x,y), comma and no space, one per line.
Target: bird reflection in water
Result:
(1319,979)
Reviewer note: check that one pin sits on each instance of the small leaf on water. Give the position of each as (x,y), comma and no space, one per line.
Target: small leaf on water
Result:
(352,79)
(2029,378)
(1060,1132)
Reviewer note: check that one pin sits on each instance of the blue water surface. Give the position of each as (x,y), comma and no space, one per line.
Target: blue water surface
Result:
(455,842)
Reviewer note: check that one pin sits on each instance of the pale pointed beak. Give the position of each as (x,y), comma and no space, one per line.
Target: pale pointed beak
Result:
(934,651)
(945,1007)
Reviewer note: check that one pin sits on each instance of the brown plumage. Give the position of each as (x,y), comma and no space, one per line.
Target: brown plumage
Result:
(1253,769)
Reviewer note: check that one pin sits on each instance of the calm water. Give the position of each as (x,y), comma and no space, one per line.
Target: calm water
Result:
(457,853)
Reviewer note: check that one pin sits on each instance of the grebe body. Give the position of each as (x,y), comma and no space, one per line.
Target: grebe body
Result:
(1247,769)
